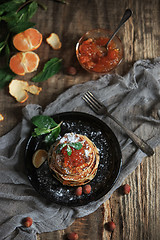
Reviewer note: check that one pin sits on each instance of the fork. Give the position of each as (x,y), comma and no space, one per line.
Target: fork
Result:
(100,109)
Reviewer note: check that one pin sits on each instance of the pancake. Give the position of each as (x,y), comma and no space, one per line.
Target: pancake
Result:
(71,166)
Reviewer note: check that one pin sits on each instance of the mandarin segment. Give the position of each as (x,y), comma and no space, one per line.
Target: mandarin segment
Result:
(16,64)
(39,157)
(28,40)
(31,62)
(19,88)
(24,62)
(54,41)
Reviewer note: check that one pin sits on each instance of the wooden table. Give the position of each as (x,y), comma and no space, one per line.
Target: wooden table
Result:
(137,215)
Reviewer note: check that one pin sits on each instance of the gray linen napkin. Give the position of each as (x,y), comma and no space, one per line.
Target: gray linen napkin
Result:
(132,99)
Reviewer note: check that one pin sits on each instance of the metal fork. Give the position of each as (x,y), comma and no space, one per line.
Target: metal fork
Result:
(100,109)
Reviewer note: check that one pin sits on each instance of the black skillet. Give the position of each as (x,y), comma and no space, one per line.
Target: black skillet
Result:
(109,167)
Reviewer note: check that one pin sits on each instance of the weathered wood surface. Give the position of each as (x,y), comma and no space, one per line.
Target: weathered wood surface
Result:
(137,215)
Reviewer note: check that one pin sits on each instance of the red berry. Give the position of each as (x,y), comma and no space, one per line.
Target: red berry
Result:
(71,70)
(72,236)
(27,222)
(78,191)
(87,189)
(111,226)
(126,189)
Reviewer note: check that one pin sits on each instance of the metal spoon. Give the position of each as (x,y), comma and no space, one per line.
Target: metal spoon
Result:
(125,17)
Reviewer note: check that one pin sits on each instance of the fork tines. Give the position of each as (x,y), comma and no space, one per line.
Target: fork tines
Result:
(89,98)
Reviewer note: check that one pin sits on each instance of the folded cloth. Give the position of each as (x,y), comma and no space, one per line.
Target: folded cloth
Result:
(133,99)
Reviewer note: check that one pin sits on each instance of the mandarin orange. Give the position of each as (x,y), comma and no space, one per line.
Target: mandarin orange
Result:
(24,62)
(39,157)
(28,40)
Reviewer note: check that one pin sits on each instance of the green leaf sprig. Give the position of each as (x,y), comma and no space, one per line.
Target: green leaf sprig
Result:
(52,67)
(46,125)
(76,145)
(6,75)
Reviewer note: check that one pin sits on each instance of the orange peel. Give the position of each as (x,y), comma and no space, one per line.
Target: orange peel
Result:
(24,62)
(39,157)
(19,90)
(54,41)
(28,40)
(1,117)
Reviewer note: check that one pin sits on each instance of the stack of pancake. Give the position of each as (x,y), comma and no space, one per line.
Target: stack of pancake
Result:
(77,167)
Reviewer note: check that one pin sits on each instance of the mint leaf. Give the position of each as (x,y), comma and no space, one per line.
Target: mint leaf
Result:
(7,52)
(52,67)
(41,131)
(10,6)
(76,145)
(42,121)
(21,27)
(51,138)
(10,17)
(6,75)
(32,9)
(60,147)
(69,150)
(16,20)
(2,45)
(46,125)
(14,17)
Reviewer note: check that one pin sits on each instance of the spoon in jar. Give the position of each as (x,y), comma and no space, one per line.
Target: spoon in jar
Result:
(125,17)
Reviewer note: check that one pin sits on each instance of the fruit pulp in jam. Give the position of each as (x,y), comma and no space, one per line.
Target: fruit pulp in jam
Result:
(95,58)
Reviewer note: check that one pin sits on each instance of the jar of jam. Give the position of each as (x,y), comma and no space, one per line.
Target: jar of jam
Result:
(93,56)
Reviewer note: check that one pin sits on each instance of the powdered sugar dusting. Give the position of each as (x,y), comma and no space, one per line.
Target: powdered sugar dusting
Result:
(70,137)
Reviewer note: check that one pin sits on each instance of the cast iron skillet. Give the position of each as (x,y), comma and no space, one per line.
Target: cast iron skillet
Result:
(109,167)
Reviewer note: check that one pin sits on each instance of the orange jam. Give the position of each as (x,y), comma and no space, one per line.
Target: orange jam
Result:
(76,159)
(93,57)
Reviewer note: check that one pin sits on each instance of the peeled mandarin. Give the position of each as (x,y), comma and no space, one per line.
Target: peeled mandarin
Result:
(28,40)
(39,158)
(24,62)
